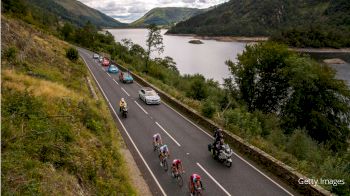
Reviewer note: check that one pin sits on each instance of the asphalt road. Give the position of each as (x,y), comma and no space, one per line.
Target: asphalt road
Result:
(186,141)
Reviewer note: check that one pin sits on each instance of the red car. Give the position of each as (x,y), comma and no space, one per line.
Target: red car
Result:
(105,62)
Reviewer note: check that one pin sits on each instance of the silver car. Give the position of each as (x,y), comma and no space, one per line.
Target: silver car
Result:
(149,96)
(95,56)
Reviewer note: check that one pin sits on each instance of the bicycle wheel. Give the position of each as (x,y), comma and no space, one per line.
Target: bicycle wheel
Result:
(180,181)
(165,165)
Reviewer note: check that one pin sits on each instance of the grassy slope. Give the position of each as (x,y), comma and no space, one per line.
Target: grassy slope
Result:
(42,153)
(166,16)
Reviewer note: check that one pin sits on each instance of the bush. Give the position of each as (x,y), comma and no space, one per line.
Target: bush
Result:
(208,109)
(72,54)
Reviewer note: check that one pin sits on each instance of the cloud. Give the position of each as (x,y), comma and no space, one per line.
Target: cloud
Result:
(130,10)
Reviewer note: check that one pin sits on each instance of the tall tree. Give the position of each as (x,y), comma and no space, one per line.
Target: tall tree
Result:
(154,42)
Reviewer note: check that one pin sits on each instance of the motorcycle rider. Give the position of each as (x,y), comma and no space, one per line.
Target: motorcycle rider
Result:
(157,139)
(195,180)
(163,151)
(219,137)
(122,104)
(177,167)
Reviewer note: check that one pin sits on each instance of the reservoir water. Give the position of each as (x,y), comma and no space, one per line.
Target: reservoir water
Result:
(209,58)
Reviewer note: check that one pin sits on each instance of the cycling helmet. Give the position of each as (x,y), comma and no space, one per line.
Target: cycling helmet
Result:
(198,177)
(123,100)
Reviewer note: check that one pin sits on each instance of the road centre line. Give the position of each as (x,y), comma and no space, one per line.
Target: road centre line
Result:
(144,161)
(115,81)
(141,107)
(177,143)
(212,178)
(125,91)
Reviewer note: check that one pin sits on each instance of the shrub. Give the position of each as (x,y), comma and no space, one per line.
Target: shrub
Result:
(72,54)
(208,109)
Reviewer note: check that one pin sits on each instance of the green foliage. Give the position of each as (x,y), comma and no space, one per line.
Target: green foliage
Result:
(302,92)
(10,53)
(197,89)
(72,54)
(208,109)
(259,75)
(318,102)
(306,23)
(154,42)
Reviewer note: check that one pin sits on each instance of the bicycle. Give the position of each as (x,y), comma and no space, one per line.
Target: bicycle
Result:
(178,177)
(197,190)
(156,146)
(165,162)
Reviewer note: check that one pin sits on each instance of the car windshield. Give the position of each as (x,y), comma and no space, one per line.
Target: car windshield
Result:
(112,66)
(150,93)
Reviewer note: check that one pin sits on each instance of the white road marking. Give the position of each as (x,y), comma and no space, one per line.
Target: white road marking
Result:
(198,127)
(109,75)
(216,182)
(177,143)
(144,161)
(115,81)
(141,107)
(125,91)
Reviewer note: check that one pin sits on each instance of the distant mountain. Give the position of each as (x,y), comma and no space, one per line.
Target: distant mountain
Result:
(76,12)
(252,18)
(166,16)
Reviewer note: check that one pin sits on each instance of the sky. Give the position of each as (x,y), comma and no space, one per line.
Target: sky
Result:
(130,10)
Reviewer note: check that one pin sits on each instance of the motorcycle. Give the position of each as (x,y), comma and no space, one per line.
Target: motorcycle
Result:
(224,155)
(125,112)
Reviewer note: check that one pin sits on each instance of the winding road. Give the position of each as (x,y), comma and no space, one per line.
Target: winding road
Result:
(186,141)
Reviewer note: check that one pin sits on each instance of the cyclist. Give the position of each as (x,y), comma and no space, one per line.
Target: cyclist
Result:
(157,139)
(177,167)
(195,182)
(122,104)
(163,151)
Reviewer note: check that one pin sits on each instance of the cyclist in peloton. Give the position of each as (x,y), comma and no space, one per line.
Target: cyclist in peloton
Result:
(157,139)
(177,167)
(195,180)
(163,151)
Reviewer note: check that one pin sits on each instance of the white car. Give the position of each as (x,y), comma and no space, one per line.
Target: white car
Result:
(149,96)
(95,56)
(100,59)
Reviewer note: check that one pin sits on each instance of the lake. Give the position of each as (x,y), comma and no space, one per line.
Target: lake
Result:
(209,58)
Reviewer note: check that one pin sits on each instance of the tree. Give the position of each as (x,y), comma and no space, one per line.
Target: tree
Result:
(317,102)
(67,31)
(303,93)
(154,42)
(72,54)
(259,76)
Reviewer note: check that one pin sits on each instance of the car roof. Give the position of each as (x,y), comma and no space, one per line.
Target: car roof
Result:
(147,89)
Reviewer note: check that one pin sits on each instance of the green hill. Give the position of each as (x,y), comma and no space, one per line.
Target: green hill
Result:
(317,23)
(76,12)
(166,16)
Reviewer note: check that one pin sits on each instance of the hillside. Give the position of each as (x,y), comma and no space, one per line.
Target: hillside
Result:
(322,21)
(56,139)
(76,12)
(166,16)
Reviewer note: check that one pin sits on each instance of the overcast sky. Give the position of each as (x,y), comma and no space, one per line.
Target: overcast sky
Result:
(130,10)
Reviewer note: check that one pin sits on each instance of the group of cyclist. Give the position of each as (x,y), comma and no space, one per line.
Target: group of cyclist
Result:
(177,167)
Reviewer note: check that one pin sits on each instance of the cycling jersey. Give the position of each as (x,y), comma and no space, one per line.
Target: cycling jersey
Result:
(164,149)
(156,137)
(176,162)
(195,178)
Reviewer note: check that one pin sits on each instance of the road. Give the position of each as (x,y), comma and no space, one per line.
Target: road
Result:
(186,141)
